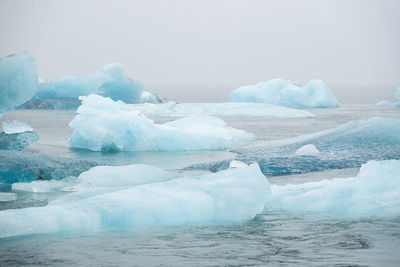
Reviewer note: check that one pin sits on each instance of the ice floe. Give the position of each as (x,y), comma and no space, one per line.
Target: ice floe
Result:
(232,195)
(314,94)
(105,125)
(346,146)
(375,191)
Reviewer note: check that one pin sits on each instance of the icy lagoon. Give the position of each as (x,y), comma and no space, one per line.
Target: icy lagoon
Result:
(278,235)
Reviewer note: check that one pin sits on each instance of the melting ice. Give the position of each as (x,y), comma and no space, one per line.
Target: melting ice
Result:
(347,146)
(105,125)
(314,94)
(140,195)
(18,80)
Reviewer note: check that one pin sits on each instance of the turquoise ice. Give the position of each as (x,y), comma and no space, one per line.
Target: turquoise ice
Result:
(314,94)
(143,195)
(105,125)
(18,80)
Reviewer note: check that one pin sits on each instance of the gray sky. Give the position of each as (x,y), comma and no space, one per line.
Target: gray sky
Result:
(200,50)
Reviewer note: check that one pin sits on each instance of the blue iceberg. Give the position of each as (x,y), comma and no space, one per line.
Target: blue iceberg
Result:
(111,82)
(315,94)
(17,141)
(140,195)
(21,166)
(18,81)
(105,125)
(347,146)
(375,191)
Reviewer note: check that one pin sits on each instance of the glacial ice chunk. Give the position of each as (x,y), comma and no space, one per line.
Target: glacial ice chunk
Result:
(111,82)
(21,166)
(18,80)
(233,195)
(47,186)
(307,150)
(8,197)
(17,141)
(375,191)
(314,94)
(237,164)
(105,125)
(346,146)
(12,127)
(230,109)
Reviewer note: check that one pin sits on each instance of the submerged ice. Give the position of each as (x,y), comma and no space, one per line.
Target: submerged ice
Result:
(147,196)
(375,191)
(18,80)
(347,146)
(314,94)
(105,125)
(18,166)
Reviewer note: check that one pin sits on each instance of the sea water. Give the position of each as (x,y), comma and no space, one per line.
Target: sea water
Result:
(271,238)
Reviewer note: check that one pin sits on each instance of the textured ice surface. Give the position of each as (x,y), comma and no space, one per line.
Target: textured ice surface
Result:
(17,141)
(315,94)
(52,103)
(307,150)
(111,82)
(11,127)
(19,166)
(233,195)
(221,109)
(18,81)
(347,146)
(391,104)
(375,191)
(148,97)
(105,125)
(7,197)
(41,186)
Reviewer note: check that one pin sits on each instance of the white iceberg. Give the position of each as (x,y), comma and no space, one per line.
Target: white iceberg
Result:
(105,125)
(233,195)
(18,81)
(229,109)
(375,191)
(6,196)
(315,94)
(11,127)
(307,150)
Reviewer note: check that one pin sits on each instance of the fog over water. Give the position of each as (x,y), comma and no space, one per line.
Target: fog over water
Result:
(200,50)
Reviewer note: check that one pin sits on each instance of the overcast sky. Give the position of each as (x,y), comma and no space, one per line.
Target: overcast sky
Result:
(200,50)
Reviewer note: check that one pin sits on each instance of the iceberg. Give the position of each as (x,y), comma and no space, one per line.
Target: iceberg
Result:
(233,195)
(307,150)
(18,81)
(111,82)
(391,104)
(347,146)
(5,197)
(52,103)
(21,166)
(375,191)
(17,141)
(12,127)
(314,94)
(230,109)
(105,125)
